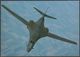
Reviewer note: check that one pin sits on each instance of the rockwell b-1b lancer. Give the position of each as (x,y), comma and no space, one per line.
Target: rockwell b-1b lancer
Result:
(37,29)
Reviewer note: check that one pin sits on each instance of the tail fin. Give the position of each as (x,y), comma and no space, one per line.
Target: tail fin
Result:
(44,13)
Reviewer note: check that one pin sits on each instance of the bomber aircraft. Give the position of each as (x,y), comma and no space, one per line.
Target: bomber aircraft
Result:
(37,29)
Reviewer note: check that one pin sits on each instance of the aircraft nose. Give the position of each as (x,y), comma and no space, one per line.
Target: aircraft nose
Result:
(28,50)
(29,47)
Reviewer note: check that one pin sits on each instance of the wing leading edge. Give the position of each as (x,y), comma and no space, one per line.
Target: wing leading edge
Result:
(16,15)
(60,38)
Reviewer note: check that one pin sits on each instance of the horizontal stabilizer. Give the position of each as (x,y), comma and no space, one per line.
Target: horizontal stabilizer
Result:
(44,13)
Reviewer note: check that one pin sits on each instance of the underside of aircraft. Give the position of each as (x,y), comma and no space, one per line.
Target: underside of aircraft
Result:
(37,29)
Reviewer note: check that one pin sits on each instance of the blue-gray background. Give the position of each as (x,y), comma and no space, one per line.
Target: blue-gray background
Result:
(15,35)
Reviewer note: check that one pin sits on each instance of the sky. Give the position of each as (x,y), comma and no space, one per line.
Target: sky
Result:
(15,35)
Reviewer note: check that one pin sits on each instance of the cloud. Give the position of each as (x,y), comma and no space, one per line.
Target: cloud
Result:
(4,24)
(15,35)
(50,51)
